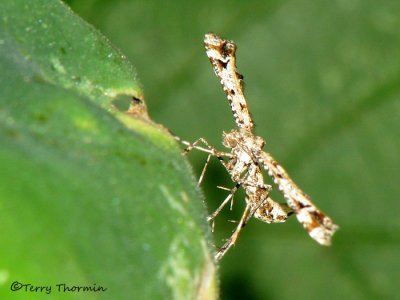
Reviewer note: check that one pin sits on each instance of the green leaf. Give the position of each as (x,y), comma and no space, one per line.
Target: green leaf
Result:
(323,85)
(89,195)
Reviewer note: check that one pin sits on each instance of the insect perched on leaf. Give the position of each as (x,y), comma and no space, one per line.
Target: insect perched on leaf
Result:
(247,158)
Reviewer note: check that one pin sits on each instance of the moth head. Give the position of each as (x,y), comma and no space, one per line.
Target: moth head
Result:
(230,139)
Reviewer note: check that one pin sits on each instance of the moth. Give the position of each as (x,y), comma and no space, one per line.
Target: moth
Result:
(247,159)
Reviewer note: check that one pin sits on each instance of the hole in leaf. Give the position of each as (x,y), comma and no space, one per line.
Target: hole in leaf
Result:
(122,102)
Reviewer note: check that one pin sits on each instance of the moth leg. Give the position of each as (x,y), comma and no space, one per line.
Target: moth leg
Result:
(227,199)
(209,149)
(232,190)
(247,214)
(203,172)
(232,240)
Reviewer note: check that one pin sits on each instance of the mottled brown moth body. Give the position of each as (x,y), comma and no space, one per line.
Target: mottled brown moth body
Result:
(246,158)
(223,59)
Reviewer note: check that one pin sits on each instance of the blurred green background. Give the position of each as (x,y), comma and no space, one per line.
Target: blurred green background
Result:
(323,84)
